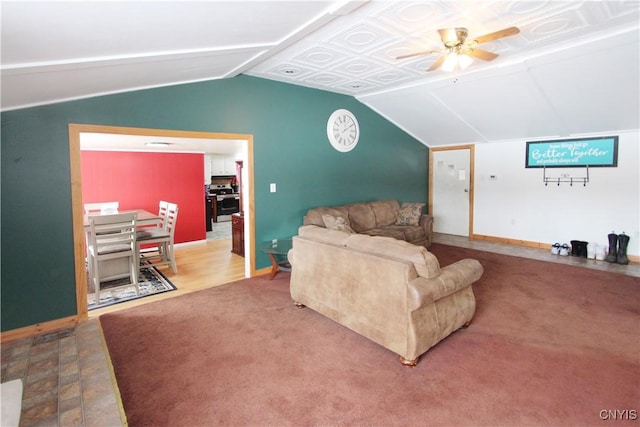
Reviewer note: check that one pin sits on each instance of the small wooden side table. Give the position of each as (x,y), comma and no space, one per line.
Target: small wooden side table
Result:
(277,251)
(237,234)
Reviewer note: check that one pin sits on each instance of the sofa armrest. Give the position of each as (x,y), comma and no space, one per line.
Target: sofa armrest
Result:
(426,222)
(452,278)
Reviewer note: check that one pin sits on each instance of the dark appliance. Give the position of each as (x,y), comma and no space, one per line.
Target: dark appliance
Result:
(226,201)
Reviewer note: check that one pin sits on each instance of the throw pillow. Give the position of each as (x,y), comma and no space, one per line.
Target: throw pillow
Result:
(410,214)
(336,223)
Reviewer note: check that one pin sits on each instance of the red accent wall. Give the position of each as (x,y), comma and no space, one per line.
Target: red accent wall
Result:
(140,180)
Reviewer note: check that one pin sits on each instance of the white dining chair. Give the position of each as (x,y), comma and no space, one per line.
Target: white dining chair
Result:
(101,208)
(162,210)
(162,236)
(157,225)
(111,237)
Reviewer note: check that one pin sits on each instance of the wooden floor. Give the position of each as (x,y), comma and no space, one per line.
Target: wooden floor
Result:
(200,266)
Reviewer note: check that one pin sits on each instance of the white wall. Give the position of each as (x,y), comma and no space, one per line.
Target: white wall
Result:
(517,204)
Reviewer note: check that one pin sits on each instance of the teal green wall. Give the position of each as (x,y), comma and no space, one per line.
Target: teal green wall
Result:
(290,148)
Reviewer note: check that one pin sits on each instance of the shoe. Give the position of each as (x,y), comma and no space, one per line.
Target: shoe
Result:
(592,248)
(555,249)
(612,256)
(623,242)
(579,248)
(564,250)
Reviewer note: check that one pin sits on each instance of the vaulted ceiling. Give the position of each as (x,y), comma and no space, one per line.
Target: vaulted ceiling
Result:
(573,69)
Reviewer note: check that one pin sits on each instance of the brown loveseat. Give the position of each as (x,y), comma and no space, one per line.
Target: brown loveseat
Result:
(388,290)
(379,218)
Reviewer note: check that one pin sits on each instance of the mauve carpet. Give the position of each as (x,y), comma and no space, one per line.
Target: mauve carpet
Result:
(549,345)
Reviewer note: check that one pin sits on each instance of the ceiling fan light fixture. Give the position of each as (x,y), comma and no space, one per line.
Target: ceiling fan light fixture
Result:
(456,61)
(157,144)
(464,61)
(450,62)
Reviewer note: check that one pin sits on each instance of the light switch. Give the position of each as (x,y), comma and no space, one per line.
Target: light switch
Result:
(272,187)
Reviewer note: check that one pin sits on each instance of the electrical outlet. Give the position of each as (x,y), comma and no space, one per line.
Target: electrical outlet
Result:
(272,187)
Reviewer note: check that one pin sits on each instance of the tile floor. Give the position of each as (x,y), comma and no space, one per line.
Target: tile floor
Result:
(632,269)
(221,229)
(67,377)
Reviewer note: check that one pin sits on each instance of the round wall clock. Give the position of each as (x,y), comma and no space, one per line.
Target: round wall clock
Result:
(343,130)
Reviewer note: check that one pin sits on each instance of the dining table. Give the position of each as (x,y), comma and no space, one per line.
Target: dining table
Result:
(118,268)
(144,218)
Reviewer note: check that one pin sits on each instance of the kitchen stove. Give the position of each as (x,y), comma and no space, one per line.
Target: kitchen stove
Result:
(221,190)
(223,193)
(227,202)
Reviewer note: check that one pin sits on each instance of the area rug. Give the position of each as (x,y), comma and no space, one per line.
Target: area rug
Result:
(549,345)
(150,280)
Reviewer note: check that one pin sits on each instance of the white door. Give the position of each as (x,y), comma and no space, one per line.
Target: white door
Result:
(451,191)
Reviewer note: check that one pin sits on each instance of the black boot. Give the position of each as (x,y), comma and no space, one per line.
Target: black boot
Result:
(575,248)
(623,242)
(613,248)
(579,248)
(583,249)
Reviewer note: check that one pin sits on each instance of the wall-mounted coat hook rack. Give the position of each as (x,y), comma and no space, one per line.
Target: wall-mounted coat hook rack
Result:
(565,178)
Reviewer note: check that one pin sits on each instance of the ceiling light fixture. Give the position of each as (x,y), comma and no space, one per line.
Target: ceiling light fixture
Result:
(157,144)
(456,61)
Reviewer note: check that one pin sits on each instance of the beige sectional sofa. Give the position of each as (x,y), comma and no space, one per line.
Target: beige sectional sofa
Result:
(379,218)
(388,290)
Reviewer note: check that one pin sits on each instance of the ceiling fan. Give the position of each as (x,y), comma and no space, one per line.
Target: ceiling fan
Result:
(458,51)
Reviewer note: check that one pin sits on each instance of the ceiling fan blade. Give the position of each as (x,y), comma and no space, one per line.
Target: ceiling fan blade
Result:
(497,35)
(482,54)
(425,52)
(438,63)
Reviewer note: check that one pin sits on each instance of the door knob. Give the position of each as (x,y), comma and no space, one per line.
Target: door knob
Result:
(466,190)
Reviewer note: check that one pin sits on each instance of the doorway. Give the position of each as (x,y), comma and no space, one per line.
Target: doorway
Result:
(451,189)
(75,131)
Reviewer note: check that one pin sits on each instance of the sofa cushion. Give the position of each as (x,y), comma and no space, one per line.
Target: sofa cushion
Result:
(400,232)
(336,223)
(412,233)
(321,234)
(361,217)
(385,211)
(410,214)
(314,216)
(425,263)
(389,231)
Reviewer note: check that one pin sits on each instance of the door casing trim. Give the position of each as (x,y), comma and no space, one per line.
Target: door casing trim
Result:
(76,193)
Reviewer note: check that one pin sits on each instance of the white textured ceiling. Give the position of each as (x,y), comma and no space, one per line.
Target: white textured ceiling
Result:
(572,69)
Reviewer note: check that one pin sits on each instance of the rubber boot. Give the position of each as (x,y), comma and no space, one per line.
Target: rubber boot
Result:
(623,242)
(583,249)
(612,256)
(575,248)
